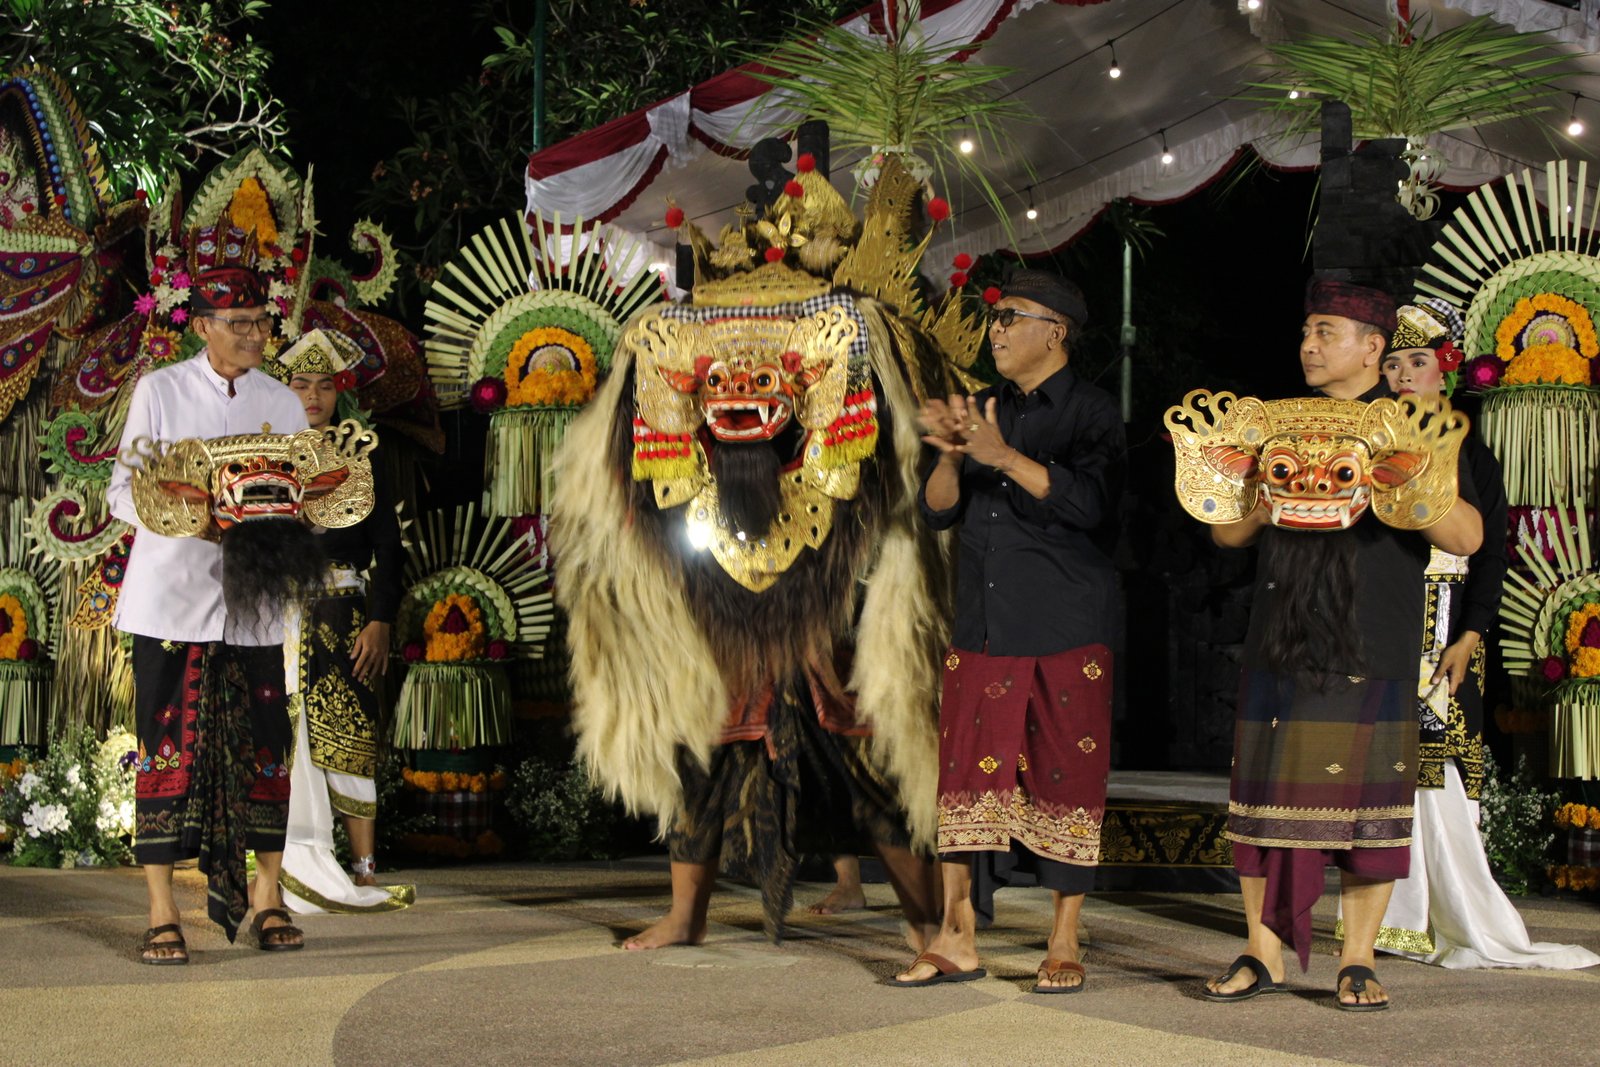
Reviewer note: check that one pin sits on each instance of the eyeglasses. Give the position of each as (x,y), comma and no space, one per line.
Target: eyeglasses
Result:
(245,327)
(1004,317)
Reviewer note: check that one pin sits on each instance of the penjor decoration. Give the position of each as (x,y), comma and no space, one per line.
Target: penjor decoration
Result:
(28,592)
(1315,462)
(476,599)
(523,334)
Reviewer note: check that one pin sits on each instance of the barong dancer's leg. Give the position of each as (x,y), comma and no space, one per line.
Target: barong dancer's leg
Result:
(916,883)
(846,894)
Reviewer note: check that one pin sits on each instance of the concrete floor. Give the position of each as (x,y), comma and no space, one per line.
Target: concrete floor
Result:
(518,964)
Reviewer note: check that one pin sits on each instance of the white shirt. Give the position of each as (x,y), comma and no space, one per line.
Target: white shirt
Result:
(172,590)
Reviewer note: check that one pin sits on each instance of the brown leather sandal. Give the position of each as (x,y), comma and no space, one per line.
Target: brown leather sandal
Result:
(274,938)
(1052,970)
(177,946)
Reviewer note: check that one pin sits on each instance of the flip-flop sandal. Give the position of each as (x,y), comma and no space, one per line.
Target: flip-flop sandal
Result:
(1053,970)
(1262,985)
(1359,977)
(271,938)
(948,972)
(151,944)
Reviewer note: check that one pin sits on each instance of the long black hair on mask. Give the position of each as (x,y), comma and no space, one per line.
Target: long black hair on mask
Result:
(267,563)
(748,490)
(1311,625)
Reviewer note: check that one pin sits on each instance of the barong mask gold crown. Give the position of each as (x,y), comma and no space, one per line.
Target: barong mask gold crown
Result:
(180,489)
(1316,463)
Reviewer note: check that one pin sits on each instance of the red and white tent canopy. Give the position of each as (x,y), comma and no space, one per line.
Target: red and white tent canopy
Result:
(1184,63)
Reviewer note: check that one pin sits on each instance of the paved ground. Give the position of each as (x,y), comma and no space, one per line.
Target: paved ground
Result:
(517,964)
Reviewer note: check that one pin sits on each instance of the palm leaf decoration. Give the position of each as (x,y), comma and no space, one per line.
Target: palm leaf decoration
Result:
(895,94)
(1411,82)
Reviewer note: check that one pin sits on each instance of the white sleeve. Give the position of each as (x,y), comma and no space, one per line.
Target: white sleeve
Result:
(142,422)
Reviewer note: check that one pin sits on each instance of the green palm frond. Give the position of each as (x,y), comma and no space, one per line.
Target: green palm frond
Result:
(895,93)
(1475,74)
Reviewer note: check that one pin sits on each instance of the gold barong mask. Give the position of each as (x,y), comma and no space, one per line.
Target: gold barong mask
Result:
(1315,462)
(180,489)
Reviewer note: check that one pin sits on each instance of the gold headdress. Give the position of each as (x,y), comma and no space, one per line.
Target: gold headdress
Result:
(317,352)
(181,489)
(1318,463)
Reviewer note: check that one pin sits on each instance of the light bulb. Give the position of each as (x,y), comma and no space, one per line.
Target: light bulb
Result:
(966,146)
(1294,94)
(1253,5)
(1166,157)
(1114,72)
(1033,213)
(1574,128)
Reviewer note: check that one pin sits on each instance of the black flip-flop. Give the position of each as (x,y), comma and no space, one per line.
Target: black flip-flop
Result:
(1262,984)
(1359,977)
(948,972)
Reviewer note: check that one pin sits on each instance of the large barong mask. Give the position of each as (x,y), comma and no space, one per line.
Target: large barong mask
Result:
(1317,463)
(180,489)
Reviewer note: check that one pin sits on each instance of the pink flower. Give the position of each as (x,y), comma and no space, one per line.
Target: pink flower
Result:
(180,316)
(181,280)
(1483,372)
(487,395)
(144,303)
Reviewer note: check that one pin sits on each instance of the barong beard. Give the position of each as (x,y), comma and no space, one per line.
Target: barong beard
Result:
(1311,628)
(268,563)
(760,638)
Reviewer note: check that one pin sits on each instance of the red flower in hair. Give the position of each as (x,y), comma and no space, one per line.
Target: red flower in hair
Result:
(674,216)
(773,254)
(794,189)
(962,261)
(938,209)
(992,295)
(345,379)
(1449,356)
(958,279)
(806,163)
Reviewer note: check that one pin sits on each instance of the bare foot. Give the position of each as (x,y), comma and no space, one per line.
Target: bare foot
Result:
(964,956)
(670,930)
(841,898)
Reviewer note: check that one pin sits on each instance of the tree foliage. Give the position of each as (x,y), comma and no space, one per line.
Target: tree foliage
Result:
(166,85)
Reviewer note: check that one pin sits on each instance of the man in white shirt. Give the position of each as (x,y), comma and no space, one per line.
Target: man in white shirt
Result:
(190,657)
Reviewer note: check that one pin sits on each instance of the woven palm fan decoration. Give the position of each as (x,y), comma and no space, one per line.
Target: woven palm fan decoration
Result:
(476,599)
(522,328)
(1524,264)
(28,585)
(1551,620)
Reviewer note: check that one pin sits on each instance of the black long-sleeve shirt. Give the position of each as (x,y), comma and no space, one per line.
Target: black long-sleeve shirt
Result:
(1036,576)
(374,541)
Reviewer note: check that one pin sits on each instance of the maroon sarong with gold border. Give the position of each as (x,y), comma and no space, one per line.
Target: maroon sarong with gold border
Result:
(1024,751)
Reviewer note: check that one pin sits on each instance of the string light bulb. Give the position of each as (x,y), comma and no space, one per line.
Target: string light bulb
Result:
(1294,94)
(1574,124)
(1252,5)
(965,146)
(1166,154)
(1032,212)
(1115,71)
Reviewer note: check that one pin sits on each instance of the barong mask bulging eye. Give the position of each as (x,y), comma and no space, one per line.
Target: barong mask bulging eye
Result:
(181,489)
(1316,463)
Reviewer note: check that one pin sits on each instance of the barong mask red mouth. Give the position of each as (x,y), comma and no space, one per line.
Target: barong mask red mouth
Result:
(256,488)
(745,400)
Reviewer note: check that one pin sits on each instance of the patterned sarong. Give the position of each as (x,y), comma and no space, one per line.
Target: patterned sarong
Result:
(341,712)
(212,779)
(1024,752)
(1451,725)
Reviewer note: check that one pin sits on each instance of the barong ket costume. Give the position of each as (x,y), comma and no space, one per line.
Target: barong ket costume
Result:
(1025,718)
(1326,752)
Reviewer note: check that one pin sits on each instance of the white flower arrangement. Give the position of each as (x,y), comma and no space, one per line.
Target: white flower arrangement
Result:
(74,806)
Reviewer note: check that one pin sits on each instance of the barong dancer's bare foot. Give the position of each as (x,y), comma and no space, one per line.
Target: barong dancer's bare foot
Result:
(846,894)
(685,924)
